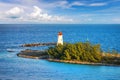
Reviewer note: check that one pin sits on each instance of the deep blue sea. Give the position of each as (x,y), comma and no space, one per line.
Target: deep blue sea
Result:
(17,68)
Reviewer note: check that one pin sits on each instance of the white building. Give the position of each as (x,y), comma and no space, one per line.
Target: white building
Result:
(60,38)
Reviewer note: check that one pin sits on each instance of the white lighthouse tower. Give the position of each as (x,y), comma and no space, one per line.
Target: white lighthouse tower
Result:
(60,38)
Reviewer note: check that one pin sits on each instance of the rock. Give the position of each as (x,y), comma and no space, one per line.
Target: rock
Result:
(38,44)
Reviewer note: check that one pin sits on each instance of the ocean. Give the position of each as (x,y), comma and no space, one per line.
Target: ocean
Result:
(17,68)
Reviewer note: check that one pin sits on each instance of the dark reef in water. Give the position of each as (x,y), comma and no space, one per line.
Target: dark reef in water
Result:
(38,44)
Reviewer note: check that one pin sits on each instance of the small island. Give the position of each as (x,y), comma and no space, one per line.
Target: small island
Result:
(77,53)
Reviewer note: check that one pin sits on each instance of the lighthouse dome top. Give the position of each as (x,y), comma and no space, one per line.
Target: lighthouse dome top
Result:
(59,33)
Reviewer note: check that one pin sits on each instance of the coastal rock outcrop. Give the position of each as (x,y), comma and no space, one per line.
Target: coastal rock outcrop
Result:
(35,54)
(38,44)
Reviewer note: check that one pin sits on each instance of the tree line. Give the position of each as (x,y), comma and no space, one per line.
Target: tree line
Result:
(80,51)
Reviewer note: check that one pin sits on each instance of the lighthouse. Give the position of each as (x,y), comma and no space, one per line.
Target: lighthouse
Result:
(60,38)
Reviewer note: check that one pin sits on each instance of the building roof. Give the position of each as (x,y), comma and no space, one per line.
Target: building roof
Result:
(59,33)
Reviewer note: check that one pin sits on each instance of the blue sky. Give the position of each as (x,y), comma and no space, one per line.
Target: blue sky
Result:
(60,11)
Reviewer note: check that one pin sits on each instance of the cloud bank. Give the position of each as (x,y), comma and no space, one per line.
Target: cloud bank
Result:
(37,15)
(60,11)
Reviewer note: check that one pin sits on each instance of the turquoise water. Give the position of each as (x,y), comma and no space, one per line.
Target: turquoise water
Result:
(16,68)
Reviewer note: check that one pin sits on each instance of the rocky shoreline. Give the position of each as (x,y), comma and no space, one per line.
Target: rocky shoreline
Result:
(81,62)
(34,54)
(38,44)
(37,54)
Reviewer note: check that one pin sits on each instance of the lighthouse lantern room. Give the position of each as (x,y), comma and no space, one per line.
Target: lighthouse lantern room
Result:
(60,38)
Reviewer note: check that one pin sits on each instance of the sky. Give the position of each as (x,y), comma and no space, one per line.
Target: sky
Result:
(60,11)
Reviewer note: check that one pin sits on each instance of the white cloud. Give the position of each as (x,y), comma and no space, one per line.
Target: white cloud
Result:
(77,4)
(97,4)
(36,12)
(65,4)
(60,4)
(14,12)
(39,15)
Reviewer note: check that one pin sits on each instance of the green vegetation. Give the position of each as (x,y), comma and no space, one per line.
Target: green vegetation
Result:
(78,51)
